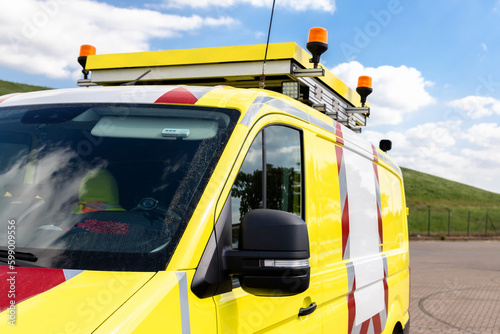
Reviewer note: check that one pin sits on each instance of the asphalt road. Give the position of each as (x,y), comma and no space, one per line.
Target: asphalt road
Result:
(455,286)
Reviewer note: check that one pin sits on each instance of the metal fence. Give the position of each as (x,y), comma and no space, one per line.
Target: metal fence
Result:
(454,222)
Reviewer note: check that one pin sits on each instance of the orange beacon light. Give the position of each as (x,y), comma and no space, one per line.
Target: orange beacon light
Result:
(317,44)
(364,88)
(85,50)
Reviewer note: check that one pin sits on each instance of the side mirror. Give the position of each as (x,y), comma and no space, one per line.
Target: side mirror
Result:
(385,145)
(273,254)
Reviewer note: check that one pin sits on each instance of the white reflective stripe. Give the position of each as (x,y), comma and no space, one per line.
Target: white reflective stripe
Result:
(369,302)
(70,273)
(364,239)
(184,302)
(363,220)
(368,270)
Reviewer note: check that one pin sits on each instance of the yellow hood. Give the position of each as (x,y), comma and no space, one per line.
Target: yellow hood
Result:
(78,305)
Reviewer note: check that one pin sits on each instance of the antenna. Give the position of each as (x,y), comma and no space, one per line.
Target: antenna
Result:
(132,83)
(263,75)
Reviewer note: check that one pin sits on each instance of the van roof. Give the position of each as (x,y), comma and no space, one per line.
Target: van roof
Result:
(115,94)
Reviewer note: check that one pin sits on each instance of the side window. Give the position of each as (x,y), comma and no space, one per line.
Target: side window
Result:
(283,169)
(270,176)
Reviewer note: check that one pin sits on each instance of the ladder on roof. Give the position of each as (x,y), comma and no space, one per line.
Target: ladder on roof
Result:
(288,71)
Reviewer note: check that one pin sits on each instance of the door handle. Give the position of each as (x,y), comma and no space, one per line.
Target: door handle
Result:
(307,310)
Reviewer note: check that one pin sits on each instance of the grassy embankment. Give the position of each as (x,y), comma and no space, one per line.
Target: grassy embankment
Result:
(466,207)
(7,87)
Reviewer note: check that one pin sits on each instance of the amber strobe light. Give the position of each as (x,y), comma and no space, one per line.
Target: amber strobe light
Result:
(317,44)
(364,88)
(85,50)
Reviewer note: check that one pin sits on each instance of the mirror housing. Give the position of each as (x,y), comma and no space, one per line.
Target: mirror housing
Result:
(273,254)
(385,145)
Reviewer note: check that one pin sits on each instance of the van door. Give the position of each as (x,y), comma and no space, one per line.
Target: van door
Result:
(271,176)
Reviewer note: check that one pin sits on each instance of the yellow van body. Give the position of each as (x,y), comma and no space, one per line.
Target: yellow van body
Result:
(349,194)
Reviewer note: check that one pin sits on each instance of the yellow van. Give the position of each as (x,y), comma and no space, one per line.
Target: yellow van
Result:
(198,209)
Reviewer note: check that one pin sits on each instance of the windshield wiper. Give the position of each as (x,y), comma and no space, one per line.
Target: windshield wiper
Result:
(19,256)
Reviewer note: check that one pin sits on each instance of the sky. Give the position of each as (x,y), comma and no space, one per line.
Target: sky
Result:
(434,64)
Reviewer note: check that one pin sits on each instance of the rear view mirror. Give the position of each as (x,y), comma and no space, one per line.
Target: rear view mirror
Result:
(273,255)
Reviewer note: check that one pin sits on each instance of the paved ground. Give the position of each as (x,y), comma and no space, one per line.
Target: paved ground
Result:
(455,287)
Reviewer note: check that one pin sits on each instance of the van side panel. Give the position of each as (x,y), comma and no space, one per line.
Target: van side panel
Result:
(363,236)
(395,245)
(393,210)
(323,178)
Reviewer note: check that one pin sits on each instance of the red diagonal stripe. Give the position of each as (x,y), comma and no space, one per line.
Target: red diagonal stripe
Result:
(375,168)
(345,225)
(26,283)
(380,226)
(351,310)
(339,152)
(375,154)
(338,132)
(377,324)
(364,327)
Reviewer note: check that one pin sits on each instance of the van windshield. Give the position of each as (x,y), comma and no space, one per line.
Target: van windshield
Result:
(101,186)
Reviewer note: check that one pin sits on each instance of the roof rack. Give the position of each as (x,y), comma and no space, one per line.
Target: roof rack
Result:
(288,70)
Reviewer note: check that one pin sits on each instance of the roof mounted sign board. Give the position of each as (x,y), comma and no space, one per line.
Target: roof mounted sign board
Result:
(288,70)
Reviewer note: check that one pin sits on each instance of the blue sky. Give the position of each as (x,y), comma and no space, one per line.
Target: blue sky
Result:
(434,63)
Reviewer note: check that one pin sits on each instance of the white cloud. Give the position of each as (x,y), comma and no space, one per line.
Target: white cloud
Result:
(44,36)
(397,91)
(448,149)
(477,106)
(441,134)
(424,142)
(297,5)
(485,135)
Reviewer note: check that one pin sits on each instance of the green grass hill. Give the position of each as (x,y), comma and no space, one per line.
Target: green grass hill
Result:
(7,87)
(424,189)
(443,202)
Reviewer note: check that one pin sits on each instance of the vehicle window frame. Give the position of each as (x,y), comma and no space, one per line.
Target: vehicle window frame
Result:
(261,133)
